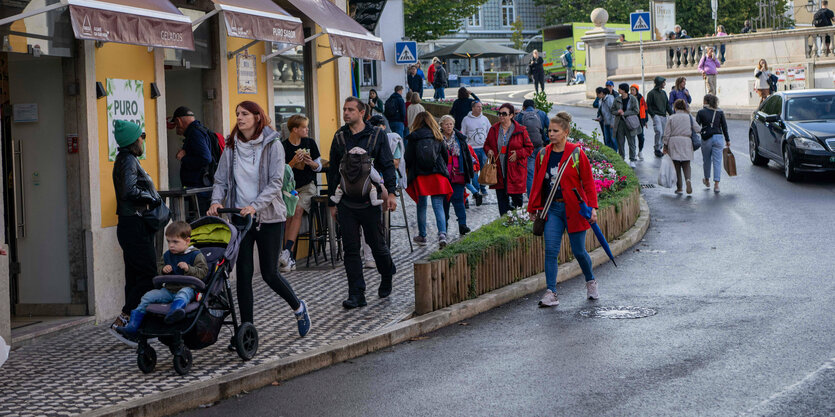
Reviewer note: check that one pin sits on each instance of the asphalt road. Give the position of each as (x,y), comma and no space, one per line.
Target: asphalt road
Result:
(742,282)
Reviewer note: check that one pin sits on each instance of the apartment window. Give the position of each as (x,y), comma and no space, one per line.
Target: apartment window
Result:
(368,73)
(508,13)
(475,19)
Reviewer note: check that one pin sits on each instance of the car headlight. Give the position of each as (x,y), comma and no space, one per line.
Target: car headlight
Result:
(808,144)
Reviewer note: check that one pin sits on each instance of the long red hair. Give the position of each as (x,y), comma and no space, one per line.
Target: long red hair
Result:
(262,120)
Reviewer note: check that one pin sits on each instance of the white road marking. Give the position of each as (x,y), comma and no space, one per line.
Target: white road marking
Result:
(808,379)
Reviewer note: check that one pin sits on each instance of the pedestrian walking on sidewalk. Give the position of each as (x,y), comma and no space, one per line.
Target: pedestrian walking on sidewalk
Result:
(415,80)
(678,142)
(135,193)
(414,109)
(567,59)
(658,107)
(475,127)
(508,144)
(679,91)
(823,18)
(714,128)
(395,111)
(440,80)
(563,215)
(460,168)
(642,117)
(605,117)
(536,122)
(427,174)
(302,154)
(537,71)
(709,68)
(461,106)
(763,84)
(250,176)
(627,124)
(356,212)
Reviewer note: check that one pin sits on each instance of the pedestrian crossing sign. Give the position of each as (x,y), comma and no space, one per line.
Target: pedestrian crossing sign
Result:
(639,21)
(405,52)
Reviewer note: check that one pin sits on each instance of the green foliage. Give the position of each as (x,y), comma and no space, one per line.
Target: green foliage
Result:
(516,37)
(565,11)
(541,102)
(430,19)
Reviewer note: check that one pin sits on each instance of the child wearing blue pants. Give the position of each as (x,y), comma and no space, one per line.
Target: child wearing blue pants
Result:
(180,259)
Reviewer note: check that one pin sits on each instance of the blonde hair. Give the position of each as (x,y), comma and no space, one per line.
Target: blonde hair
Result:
(446,118)
(424,119)
(563,119)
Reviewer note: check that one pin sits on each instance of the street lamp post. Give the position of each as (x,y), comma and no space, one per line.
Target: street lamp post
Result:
(810,6)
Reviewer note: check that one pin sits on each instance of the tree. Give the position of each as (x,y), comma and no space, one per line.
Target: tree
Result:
(430,19)
(516,37)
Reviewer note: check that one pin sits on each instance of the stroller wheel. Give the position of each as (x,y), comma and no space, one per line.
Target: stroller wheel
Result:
(246,341)
(182,363)
(146,359)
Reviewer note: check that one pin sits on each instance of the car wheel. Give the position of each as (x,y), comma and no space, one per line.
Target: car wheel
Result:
(753,152)
(788,166)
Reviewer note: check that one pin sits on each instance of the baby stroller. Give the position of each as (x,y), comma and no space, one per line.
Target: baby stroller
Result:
(219,242)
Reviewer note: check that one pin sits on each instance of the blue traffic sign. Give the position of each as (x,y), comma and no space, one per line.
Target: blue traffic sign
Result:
(405,53)
(639,22)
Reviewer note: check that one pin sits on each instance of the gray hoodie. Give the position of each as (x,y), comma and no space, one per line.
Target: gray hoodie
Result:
(475,129)
(269,205)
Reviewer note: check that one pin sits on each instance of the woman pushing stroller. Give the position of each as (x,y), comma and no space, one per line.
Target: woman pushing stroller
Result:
(249,176)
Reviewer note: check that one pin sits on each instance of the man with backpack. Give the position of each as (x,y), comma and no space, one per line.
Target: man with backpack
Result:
(536,122)
(197,162)
(824,18)
(395,111)
(354,211)
(568,63)
(440,80)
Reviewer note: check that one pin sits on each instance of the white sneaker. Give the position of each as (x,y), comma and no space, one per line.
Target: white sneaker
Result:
(591,290)
(640,156)
(291,266)
(549,299)
(284,259)
(632,164)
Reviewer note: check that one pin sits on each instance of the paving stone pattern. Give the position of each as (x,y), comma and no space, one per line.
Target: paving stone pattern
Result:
(87,369)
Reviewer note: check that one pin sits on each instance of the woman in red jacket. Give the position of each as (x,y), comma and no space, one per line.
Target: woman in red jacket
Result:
(564,213)
(508,143)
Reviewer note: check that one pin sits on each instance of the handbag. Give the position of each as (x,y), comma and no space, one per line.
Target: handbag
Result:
(488,174)
(729,162)
(705,133)
(633,122)
(156,218)
(695,137)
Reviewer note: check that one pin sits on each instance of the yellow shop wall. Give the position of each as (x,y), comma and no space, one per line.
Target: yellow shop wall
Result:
(261,95)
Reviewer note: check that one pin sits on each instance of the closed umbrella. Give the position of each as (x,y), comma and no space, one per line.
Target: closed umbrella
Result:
(585,211)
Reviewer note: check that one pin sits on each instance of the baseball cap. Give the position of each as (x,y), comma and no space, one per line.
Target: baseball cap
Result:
(608,83)
(179,112)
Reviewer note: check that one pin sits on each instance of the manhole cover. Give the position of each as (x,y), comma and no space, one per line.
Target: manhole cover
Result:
(619,312)
(647,185)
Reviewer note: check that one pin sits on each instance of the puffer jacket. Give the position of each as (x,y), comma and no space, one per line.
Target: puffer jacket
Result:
(269,205)
(441,154)
(135,190)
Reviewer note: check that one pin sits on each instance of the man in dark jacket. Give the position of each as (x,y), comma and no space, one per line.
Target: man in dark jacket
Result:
(536,122)
(536,71)
(195,155)
(658,107)
(353,213)
(440,81)
(395,111)
(415,80)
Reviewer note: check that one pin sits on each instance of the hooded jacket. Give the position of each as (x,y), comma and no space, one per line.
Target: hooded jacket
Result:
(514,178)
(658,104)
(475,128)
(269,205)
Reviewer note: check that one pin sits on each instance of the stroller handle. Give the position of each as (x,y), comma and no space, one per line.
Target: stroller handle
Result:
(237,211)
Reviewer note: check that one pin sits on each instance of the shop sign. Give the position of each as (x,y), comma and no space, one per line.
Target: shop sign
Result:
(25,112)
(125,101)
(247,78)
(111,26)
(243,25)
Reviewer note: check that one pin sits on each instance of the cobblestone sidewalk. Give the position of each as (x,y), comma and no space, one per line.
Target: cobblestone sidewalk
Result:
(86,369)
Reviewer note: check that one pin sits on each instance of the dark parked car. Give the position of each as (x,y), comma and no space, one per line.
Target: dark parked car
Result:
(797,130)
(284,111)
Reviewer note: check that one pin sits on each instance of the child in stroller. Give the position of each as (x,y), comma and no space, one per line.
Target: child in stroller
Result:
(197,324)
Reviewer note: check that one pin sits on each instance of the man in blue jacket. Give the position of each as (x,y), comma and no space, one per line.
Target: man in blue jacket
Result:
(195,155)
(395,111)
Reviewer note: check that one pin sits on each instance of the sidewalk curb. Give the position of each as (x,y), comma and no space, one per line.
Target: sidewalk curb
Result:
(216,389)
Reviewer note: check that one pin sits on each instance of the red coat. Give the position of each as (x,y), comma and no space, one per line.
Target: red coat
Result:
(579,177)
(430,75)
(517,172)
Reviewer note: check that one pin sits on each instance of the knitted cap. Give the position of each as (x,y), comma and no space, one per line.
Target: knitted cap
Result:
(126,132)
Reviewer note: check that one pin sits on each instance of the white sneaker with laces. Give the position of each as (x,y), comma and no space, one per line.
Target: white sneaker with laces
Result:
(284,259)
(591,290)
(549,299)
(291,266)
(632,164)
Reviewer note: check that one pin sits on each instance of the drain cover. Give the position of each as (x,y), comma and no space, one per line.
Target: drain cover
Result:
(647,185)
(619,312)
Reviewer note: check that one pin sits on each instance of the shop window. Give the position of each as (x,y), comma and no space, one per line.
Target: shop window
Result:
(290,70)
(475,19)
(508,13)
(368,73)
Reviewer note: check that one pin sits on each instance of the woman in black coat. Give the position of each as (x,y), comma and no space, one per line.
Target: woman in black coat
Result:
(135,193)
(462,105)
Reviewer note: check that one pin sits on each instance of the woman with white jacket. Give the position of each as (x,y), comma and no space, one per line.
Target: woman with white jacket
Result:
(762,74)
(678,142)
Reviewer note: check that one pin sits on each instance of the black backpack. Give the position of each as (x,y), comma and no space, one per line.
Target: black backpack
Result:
(390,110)
(216,146)
(427,153)
(355,169)
(819,19)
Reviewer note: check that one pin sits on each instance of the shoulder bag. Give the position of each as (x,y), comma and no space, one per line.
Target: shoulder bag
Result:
(632,121)
(705,133)
(542,215)
(695,137)
(488,174)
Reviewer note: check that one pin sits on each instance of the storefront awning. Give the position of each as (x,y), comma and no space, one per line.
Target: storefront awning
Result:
(347,37)
(261,20)
(156,23)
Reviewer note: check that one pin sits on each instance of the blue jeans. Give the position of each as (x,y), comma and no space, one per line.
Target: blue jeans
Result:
(439,94)
(482,159)
(457,201)
(608,137)
(397,127)
(531,166)
(554,227)
(437,208)
(712,153)
(163,296)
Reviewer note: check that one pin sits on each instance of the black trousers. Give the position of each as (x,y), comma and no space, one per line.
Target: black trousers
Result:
(137,242)
(270,239)
(506,201)
(371,221)
(539,82)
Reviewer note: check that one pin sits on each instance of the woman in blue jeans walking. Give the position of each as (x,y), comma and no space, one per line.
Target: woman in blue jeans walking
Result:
(427,175)
(564,213)
(460,168)
(714,128)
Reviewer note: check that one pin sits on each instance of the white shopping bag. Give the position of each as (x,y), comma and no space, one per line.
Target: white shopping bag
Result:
(667,175)
(4,351)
